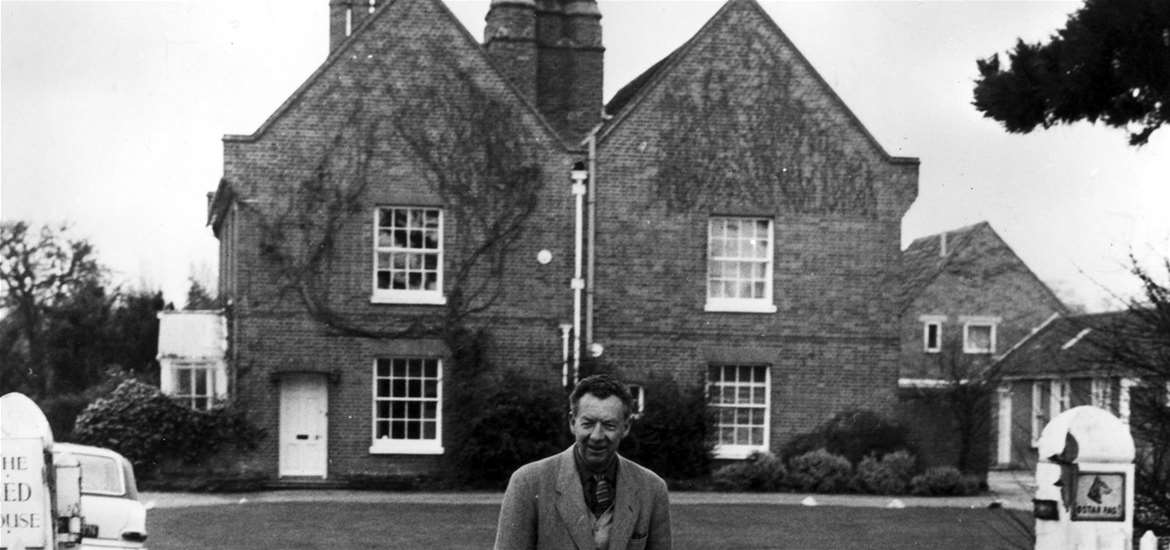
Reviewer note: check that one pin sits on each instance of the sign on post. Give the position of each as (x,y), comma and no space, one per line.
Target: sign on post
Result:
(1100,496)
(23,493)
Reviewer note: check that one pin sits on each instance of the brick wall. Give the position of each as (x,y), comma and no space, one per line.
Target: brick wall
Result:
(831,345)
(986,278)
(272,334)
(832,342)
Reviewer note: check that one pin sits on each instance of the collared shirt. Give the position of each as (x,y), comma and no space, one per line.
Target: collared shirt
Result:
(589,479)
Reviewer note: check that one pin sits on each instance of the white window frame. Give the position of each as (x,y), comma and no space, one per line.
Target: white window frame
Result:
(1101,392)
(171,370)
(991,322)
(762,304)
(1038,411)
(1059,397)
(733,451)
(389,445)
(639,393)
(1125,386)
(935,321)
(1059,400)
(407,296)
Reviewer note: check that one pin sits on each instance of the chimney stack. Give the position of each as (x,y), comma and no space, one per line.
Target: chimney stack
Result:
(942,244)
(552,51)
(510,40)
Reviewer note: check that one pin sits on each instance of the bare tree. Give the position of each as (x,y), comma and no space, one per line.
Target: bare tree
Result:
(1137,346)
(39,272)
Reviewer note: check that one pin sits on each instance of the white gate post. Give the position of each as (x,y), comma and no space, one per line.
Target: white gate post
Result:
(1085,482)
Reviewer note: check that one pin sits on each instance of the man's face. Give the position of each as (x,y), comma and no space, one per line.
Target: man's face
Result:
(598,427)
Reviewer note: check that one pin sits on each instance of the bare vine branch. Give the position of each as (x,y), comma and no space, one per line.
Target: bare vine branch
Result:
(476,152)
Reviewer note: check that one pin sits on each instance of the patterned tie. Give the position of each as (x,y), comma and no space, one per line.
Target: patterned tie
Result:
(604,494)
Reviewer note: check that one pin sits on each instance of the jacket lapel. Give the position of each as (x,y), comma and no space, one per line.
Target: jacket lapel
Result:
(571,502)
(624,505)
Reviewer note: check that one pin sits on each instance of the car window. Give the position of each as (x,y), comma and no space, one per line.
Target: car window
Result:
(100,475)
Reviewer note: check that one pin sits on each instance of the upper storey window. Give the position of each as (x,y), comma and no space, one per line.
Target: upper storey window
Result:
(979,336)
(408,255)
(739,265)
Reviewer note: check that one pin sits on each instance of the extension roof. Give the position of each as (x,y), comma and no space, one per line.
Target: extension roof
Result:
(1080,345)
(923,261)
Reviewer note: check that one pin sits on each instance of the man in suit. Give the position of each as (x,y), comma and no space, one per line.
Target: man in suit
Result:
(587,497)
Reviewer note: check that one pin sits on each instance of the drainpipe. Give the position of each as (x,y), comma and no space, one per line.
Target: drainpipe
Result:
(590,209)
(579,174)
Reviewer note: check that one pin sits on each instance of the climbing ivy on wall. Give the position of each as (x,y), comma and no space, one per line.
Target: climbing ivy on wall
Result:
(745,131)
(469,145)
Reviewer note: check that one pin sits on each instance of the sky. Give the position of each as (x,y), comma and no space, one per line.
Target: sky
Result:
(112,114)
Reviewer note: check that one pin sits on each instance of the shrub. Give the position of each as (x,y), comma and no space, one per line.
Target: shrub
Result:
(672,437)
(889,476)
(61,411)
(148,428)
(854,434)
(517,423)
(944,481)
(761,471)
(1148,515)
(819,471)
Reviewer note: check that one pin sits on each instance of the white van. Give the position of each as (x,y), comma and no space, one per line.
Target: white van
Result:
(109,499)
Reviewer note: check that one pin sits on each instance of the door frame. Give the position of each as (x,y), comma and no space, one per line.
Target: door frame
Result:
(316,382)
(1003,453)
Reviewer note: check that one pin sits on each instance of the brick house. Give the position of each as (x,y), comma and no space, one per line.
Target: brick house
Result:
(738,226)
(966,297)
(1067,363)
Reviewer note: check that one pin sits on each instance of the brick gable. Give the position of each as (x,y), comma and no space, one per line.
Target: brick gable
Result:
(736,123)
(391,117)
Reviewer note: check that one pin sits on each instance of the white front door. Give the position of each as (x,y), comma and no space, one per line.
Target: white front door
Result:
(303,425)
(1004,450)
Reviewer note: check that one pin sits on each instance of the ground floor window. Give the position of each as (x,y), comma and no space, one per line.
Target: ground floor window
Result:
(741,399)
(1049,398)
(195,384)
(407,412)
(639,394)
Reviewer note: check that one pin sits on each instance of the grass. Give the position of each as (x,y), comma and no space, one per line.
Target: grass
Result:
(408,526)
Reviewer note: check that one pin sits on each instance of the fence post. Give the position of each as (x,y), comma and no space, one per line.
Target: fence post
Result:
(1148,541)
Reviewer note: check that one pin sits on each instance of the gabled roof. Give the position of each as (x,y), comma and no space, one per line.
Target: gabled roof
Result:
(924,260)
(630,96)
(366,26)
(1078,345)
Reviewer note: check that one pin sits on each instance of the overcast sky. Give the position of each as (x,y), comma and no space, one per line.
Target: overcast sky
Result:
(112,114)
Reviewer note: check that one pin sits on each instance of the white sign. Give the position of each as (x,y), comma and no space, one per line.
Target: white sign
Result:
(1100,497)
(22,516)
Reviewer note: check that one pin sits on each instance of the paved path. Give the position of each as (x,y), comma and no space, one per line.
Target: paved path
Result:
(1010,489)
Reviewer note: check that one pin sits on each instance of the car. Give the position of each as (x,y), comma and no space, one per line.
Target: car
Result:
(113,516)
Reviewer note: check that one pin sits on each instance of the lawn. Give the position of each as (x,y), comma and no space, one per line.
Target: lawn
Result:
(406,526)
